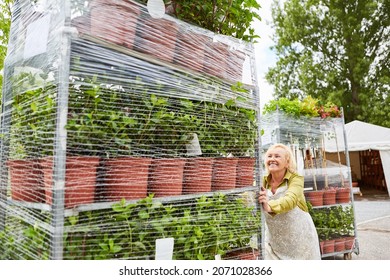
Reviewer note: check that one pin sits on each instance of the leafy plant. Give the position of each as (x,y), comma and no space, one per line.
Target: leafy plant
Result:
(97,123)
(308,107)
(164,128)
(228,128)
(21,240)
(332,222)
(33,119)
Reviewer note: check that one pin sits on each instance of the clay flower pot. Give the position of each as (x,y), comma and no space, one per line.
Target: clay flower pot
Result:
(114,21)
(235,64)
(339,244)
(349,242)
(330,196)
(224,174)
(215,59)
(316,198)
(329,246)
(343,195)
(197,175)
(80,180)
(242,254)
(322,246)
(245,172)
(166,177)
(190,49)
(156,37)
(82,23)
(26,179)
(126,177)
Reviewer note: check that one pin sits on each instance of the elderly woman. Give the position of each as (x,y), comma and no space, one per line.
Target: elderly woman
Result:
(290,233)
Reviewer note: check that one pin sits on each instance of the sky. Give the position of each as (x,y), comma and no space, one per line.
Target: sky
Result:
(265,58)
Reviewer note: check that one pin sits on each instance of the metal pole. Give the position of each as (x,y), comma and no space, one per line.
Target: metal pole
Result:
(59,164)
(349,178)
(258,151)
(5,116)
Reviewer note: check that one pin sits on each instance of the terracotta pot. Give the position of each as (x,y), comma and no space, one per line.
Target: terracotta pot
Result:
(126,177)
(242,254)
(235,63)
(157,37)
(115,21)
(166,177)
(339,244)
(245,172)
(190,49)
(224,174)
(197,175)
(322,246)
(329,246)
(82,23)
(349,242)
(330,196)
(343,195)
(80,180)
(316,198)
(26,179)
(215,59)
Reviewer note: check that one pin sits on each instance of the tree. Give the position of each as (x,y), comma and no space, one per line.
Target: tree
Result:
(5,23)
(336,51)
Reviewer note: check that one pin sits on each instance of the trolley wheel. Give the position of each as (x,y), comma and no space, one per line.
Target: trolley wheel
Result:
(348,256)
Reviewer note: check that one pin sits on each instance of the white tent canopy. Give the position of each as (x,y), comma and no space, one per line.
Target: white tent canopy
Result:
(361,136)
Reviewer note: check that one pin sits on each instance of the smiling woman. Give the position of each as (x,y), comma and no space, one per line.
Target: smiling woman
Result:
(290,231)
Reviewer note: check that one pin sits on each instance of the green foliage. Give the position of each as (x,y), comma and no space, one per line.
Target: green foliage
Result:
(163,127)
(308,107)
(108,120)
(334,51)
(21,240)
(201,229)
(33,123)
(97,125)
(332,222)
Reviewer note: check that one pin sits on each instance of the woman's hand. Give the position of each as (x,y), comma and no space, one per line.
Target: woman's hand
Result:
(263,200)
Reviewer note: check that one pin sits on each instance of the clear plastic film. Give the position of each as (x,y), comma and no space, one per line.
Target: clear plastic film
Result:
(320,151)
(120,129)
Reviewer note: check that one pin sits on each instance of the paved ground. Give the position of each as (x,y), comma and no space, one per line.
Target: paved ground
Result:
(372,217)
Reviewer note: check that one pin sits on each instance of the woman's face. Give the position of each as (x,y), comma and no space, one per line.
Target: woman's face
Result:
(275,160)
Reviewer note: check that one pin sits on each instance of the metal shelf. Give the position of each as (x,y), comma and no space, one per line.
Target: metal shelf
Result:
(107,205)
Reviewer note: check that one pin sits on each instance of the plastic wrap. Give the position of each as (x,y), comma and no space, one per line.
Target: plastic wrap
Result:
(117,128)
(327,182)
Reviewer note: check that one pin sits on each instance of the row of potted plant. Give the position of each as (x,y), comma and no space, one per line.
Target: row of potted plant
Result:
(127,177)
(130,25)
(142,117)
(210,226)
(146,132)
(329,196)
(335,227)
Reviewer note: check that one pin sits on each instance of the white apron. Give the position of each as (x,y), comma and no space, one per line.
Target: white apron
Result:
(291,235)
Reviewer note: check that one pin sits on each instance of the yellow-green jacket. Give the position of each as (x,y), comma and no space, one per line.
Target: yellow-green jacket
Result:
(294,195)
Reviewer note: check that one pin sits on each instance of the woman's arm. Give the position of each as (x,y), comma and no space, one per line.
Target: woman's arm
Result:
(291,199)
